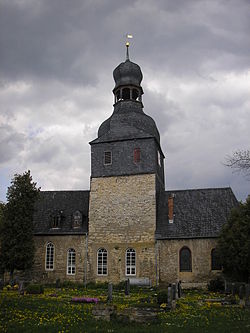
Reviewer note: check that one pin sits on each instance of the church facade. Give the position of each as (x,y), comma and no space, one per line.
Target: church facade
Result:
(127,225)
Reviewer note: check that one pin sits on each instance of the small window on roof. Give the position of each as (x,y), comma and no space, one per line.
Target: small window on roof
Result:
(77,219)
(56,219)
(126,93)
(118,95)
(135,94)
(107,157)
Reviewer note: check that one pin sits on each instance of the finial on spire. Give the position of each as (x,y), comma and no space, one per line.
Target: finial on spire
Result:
(128,36)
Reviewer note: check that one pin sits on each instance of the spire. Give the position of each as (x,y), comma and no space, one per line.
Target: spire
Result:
(128,36)
(127,54)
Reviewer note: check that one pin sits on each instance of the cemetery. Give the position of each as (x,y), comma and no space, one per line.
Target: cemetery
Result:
(123,308)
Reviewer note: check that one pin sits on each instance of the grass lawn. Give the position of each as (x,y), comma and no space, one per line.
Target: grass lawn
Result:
(54,312)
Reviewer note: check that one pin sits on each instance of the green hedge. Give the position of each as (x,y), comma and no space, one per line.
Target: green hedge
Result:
(35,289)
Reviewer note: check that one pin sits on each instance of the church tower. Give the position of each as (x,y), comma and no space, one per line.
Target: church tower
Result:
(127,179)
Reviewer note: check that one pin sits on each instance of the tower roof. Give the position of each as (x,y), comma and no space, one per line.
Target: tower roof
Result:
(127,73)
(128,120)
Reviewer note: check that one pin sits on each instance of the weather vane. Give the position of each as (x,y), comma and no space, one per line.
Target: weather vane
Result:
(128,36)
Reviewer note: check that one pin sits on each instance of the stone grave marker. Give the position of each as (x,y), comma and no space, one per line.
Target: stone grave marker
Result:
(110,291)
(21,288)
(173,291)
(170,297)
(127,287)
(241,294)
(247,294)
(233,289)
(179,289)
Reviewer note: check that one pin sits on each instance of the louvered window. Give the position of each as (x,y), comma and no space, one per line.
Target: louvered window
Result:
(107,157)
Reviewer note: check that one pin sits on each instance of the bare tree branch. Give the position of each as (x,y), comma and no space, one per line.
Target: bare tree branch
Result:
(239,162)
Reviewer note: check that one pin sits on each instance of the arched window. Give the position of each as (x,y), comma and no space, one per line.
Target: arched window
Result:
(185,260)
(215,261)
(49,260)
(71,262)
(118,95)
(135,94)
(130,262)
(77,219)
(126,93)
(102,262)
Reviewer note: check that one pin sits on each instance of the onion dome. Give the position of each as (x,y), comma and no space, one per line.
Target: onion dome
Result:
(128,120)
(127,73)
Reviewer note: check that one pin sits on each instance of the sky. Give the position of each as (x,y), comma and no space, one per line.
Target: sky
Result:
(56,63)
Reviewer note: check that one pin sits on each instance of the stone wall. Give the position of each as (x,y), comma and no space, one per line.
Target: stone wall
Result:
(201,261)
(62,244)
(122,215)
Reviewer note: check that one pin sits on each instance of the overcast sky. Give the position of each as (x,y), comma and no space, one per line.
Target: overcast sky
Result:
(56,64)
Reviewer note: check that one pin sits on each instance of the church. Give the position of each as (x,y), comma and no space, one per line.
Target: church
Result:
(127,225)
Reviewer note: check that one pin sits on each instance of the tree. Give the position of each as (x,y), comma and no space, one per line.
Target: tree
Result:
(234,243)
(1,226)
(17,230)
(239,161)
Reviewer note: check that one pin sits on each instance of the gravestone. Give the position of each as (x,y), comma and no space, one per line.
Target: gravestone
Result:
(174,291)
(110,290)
(21,288)
(127,287)
(247,294)
(228,287)
(179,289)
(170,297)
(241,294)
(233,289)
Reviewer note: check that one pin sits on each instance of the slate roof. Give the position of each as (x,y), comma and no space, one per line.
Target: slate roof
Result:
(127,73)
(127,122)
(65,202)
(198,213)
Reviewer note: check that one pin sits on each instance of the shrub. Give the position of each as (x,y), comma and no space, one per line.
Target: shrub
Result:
(162,297)
(217,284)
(35,289)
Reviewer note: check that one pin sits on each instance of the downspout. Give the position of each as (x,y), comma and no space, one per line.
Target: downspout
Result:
(85,261)
(156,263)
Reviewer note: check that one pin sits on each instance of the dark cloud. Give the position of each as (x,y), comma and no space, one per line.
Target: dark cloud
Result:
(56,62)
(11,143)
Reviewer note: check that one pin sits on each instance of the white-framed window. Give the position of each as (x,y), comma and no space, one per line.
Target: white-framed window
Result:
(102,262)
(71,262)
(49,259)
(107,157)
(130,262)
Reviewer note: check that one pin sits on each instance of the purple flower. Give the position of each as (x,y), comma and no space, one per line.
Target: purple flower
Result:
(85,300)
